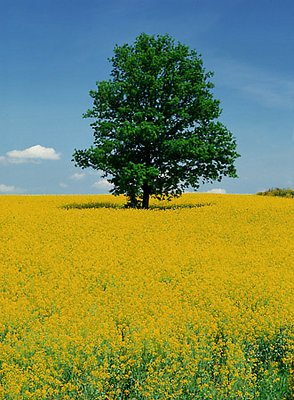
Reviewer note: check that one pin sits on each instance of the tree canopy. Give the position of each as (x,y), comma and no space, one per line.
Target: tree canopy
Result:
(155,123)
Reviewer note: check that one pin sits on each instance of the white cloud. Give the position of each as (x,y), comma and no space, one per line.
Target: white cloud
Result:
(217,191)
(7,188)
(63,185)
(102,184)
(33,153)
(78,176)
(265,87)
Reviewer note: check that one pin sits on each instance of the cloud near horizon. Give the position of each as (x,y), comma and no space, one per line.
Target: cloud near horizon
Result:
(102,184)
(217,191)
(31,154)
(7,188)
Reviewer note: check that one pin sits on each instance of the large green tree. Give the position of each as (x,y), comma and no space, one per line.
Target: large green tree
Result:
(155,122)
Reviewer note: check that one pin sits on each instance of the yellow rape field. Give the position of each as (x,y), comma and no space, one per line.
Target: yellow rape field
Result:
(113,303)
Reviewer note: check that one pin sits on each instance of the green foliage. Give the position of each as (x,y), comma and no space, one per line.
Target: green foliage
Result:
(91,205)
(157,372)
(155,123)
(289,193)
(82,206)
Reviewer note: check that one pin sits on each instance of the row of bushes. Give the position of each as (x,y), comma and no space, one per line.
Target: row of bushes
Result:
(278,192)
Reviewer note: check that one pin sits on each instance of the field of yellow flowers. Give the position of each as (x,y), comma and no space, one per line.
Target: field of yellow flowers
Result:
(189,302)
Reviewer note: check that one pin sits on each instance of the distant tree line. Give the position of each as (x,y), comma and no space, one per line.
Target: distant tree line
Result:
(278,192)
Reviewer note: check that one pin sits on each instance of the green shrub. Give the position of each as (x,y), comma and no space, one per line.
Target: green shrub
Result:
(278,192)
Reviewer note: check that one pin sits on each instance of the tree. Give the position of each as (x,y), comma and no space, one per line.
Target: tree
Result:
(156,128)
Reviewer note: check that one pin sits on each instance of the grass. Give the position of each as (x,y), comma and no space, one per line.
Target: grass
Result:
(156,206)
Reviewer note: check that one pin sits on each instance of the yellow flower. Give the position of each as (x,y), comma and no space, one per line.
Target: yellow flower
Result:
(194,302)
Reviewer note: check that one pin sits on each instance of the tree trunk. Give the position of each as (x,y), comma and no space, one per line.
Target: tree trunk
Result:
(146,195)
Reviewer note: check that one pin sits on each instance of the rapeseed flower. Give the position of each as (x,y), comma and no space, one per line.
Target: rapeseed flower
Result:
(112,303)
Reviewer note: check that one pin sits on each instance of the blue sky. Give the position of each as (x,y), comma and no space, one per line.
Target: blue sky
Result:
(53,52)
